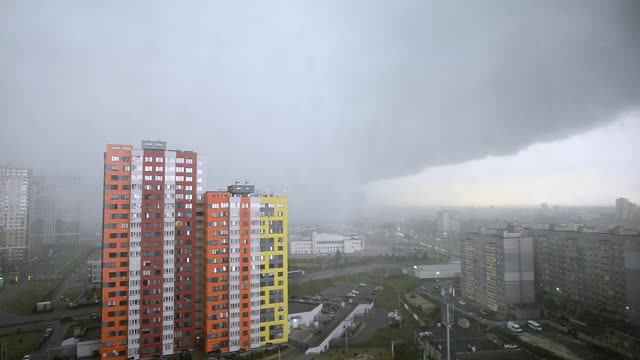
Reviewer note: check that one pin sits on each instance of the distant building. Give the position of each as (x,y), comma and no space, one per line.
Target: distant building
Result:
(314,242)
(447,223)
(497,268)
(95,271)
(595,270)
(15,189)
(625,212)
(54,218)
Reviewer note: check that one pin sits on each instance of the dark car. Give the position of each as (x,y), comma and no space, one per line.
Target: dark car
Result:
(66,319)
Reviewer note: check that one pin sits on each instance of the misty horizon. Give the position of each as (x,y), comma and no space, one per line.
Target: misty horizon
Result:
(370,106)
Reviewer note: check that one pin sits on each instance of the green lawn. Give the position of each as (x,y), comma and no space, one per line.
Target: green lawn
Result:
(72,294)
(22,343)
(310,287)
(388,300)
(23,302)
(342,354)
(86,323)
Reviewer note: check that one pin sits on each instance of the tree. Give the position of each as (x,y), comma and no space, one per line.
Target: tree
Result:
(338,256)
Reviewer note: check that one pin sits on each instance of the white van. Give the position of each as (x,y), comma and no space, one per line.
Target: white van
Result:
(534,325)
(514,327)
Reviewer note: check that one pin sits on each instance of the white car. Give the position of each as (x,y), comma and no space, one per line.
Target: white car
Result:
(510,346)
(462,302)
(26,357)
(393,313)
(351,295)
(425,333)
(355,291)
(362,284)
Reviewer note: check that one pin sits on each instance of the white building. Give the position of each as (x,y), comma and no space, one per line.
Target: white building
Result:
(314,242)
(95,271)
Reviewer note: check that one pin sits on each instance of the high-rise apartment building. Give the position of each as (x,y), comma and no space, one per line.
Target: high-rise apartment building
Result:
(54,212)
(497,268)
(15,189)
(150,267)
(245,272)
(447,223)
(595,270)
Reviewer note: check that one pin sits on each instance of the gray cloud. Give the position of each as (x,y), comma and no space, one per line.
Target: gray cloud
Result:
(315,97)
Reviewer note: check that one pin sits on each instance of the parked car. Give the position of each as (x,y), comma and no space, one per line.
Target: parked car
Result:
(462,302)
(514,327)
(393,314)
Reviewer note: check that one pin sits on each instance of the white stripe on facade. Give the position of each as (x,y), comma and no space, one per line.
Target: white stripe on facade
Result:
(168,252)
(134,254)
(255,271)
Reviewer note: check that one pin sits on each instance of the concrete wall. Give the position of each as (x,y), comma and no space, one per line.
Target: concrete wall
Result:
(306,318)
(340,329)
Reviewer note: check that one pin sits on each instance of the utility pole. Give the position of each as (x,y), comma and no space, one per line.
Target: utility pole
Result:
(447,314)
(3,350)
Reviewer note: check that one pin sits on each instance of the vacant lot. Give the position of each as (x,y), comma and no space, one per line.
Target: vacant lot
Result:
(22,343)
(22,302)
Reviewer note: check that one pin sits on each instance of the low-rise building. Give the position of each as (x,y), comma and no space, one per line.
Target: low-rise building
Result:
(312,242)
(95,272)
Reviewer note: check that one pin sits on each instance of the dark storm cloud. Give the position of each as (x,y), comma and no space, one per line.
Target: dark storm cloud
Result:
(317,97)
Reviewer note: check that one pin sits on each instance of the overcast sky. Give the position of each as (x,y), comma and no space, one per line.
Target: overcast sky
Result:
(336,101)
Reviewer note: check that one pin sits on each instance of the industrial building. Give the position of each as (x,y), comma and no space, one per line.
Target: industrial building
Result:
(311,241)
(497,268)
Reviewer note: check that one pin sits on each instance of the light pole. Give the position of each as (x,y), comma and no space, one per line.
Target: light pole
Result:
(393,342)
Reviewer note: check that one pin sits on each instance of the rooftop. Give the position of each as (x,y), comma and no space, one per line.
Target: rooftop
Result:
(298,307)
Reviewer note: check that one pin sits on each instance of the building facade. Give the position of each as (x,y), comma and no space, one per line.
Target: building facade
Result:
(314,242)
(595,270)
(149,262)
(498,268)
(54,218)
(245,272)
(15,190)
(447,223)
(94,272)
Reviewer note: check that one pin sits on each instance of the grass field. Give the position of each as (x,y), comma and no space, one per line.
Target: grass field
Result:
(22,343)
(71,294)
(310,287)
(22,303)
(86,323)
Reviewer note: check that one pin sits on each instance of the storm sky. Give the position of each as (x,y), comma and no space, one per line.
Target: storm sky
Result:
(340,102)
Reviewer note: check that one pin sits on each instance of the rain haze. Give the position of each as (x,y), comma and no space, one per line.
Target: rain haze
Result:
(354,102)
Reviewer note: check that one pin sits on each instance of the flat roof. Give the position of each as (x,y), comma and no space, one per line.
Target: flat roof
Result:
(298,307)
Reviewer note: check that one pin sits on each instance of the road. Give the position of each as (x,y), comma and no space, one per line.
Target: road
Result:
(335,272)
